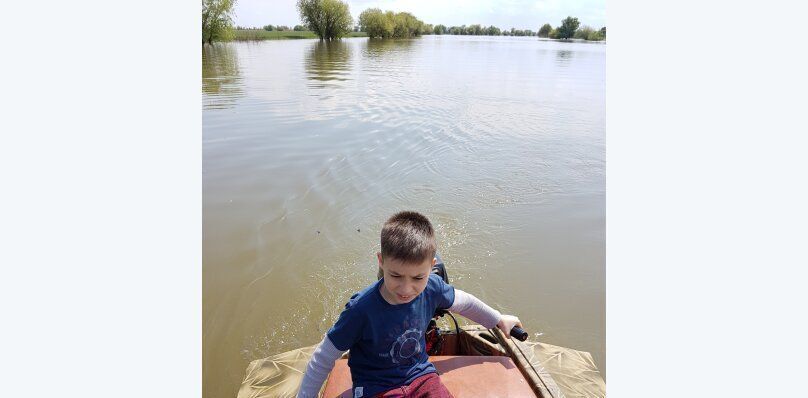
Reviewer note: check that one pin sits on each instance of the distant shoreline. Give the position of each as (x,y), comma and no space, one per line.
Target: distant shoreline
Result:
(260,34)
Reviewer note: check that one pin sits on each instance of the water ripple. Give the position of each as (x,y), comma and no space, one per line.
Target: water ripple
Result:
(308,146)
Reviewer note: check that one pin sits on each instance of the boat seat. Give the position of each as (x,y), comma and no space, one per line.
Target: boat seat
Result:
(464,376)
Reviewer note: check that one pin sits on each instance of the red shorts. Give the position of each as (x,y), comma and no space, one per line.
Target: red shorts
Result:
(426,386)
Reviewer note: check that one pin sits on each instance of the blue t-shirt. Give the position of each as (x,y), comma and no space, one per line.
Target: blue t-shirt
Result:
(387,342)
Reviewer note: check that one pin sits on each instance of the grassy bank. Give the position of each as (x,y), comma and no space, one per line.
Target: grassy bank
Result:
(256,34)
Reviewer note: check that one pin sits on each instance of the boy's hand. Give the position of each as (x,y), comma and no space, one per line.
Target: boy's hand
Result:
(507,322)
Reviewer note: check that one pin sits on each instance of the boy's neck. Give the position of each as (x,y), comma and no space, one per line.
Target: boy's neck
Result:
(383,292)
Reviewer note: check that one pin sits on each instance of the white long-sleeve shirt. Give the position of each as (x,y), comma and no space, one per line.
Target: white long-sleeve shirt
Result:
(324,356)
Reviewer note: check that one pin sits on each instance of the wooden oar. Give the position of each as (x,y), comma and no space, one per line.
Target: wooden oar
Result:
(540,381)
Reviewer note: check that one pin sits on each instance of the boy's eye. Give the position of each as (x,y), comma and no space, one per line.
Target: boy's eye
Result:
(396,276)
(419,277)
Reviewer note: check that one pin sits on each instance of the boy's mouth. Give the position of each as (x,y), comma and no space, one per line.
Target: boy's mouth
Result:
(403,298)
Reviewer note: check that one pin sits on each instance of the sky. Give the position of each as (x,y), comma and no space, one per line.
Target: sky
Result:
(505,14)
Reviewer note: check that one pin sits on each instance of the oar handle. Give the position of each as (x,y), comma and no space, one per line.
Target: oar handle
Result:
(519,333)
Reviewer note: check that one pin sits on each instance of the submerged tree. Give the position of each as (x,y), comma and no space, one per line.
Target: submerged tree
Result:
(377,23)
(584,32)
(407,25)
(328,19)
(594,35)
(217,20)
(545,30)
(568,27)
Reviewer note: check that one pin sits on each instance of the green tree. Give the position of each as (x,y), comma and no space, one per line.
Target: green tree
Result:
(594,36)
(376,23)
(583,32)
(299,28)
(440,29)
(406,25)
(603,32)
(553,34)
(269,28)
(217,20)
(545,30)
(328,19)
(568,27)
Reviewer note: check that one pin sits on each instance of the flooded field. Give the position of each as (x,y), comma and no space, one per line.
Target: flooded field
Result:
(309,146)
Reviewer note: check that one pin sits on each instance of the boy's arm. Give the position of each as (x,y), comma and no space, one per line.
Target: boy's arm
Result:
(473,308)
(320,365)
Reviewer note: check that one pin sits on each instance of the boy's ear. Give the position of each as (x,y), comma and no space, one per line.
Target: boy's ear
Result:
(434,261)
(379,256)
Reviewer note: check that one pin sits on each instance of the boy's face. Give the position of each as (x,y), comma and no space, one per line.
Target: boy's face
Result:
(403,282)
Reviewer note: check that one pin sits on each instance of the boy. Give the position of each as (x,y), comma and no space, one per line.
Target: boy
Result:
(384,324)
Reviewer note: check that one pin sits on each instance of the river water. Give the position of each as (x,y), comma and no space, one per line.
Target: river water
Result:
(309,146)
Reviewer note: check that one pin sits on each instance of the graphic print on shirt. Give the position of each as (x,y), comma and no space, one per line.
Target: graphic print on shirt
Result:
(406,347)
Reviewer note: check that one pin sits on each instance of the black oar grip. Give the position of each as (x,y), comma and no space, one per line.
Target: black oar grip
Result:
(519,333)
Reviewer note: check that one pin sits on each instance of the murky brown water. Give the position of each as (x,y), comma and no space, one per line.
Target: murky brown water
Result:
(309,146)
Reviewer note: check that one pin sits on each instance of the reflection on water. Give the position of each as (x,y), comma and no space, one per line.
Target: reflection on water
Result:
(308,146)
(377,47)
(328,62)
(563,57)
(220,76)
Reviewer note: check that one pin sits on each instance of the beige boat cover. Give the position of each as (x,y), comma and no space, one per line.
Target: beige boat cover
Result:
(573,371)
(276,376)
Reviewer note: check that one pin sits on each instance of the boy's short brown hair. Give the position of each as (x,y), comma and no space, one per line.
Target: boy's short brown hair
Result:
(408,237)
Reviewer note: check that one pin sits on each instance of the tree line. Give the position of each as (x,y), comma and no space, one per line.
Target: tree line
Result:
(275,28)
(569,29)
(331,20)
(479,30)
